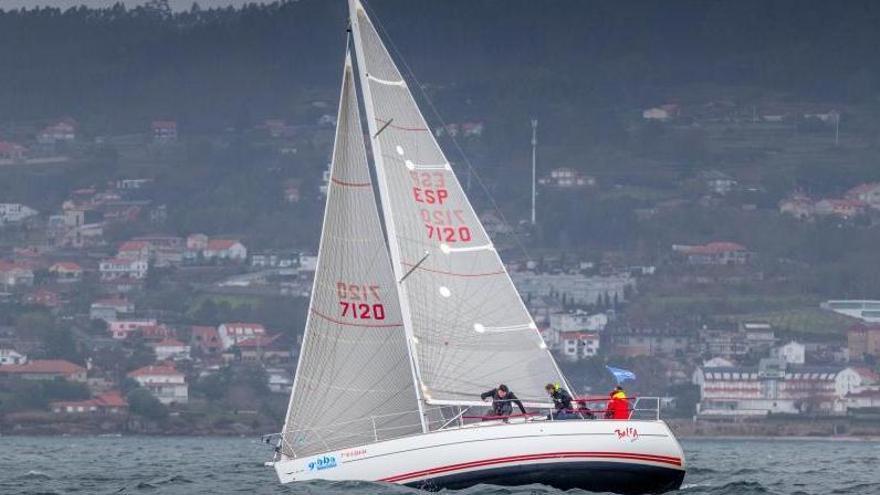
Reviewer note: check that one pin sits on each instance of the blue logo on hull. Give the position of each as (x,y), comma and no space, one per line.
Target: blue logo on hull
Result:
(323,462)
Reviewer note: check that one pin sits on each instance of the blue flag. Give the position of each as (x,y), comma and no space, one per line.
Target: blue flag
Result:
(621,375)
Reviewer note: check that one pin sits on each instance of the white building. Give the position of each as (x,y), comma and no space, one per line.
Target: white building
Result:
(578,345)
(171,349)
(225,249)
(117,268)
(280,380)
(773,387)
(792,353)
(11,356)
(121,329)
(233,333)
(15,212)
(164,382)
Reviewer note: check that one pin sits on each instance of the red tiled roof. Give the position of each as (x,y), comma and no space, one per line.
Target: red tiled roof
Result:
(9,266)
(217,244)
(66,265)
(152,370)
(7,147)
(133,245)
(169,342)
(44,366)
(109,399)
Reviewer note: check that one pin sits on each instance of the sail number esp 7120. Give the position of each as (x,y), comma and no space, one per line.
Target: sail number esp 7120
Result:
(441,224)
(360,301)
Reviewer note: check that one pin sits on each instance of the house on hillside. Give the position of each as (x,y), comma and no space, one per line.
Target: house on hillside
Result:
(170,349)
(44,297)
(66,271)
(164,382)
(122,329)
(567,178)
(11,356)
(771,387)
(718,182)
(575,345)
(206,340)
(120,268)
(134,250)
(234,333)
(63,131)
(45,369)
(714,253)
(791,353)
(863,340)
(797,205)
(868,194)
(14,213)
(106,404)
(225,249)
(164,131)
(110,308)
(15,274)
(842,208)
(11,152)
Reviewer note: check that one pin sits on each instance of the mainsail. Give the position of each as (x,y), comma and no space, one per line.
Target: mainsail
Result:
(466,321)
(354,381)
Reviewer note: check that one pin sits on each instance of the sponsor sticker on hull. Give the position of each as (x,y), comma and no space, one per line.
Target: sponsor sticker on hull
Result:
(322,463)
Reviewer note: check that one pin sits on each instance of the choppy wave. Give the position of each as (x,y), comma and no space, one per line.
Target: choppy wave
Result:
(216,466)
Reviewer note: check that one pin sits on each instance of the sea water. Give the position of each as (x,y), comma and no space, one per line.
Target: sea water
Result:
(174,465)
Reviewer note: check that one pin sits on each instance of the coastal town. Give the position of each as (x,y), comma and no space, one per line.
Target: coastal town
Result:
(717,241)
(95,337)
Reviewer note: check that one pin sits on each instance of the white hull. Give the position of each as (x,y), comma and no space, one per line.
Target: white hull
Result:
(621,456)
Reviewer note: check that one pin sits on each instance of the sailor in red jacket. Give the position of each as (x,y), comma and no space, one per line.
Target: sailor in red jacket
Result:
(618,406)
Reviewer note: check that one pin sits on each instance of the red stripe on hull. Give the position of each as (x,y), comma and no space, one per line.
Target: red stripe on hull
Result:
(675,461)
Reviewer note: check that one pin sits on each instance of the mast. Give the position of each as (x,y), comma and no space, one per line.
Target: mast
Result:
(372,126)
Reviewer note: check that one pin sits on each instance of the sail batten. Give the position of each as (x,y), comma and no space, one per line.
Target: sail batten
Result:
(462,286)
(354,382)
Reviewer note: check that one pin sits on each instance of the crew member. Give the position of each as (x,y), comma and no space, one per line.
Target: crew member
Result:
(502,401)
(562,402)
(618,406)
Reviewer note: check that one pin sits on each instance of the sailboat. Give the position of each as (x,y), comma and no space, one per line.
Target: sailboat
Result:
(413,315)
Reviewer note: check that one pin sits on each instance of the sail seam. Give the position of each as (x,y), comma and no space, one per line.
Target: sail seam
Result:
(350,184)
(454,274)
(387,82)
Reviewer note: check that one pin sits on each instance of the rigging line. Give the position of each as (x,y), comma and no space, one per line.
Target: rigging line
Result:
(407,274)
(382,128)
(376,20)
(398,127)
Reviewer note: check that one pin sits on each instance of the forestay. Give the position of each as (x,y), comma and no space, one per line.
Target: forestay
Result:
(354,380)
(469,327)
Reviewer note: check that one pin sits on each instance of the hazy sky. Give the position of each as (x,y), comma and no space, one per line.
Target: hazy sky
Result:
(176,4)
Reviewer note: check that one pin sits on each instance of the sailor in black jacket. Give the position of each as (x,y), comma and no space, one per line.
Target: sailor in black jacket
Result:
(562,401)
(502,400)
